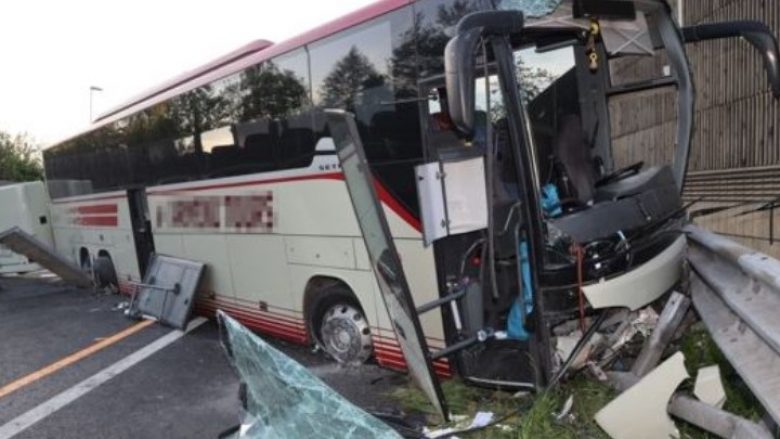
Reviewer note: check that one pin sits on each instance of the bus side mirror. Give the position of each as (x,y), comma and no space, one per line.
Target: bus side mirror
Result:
(756,33)
(459,75)
(459,60)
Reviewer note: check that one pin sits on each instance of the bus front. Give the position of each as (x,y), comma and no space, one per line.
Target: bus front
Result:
(575,220)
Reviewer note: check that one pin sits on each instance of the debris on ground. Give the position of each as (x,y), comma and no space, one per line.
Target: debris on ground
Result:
(167,292)
(121,306)
(569,411)
(282,398)
(481,419)
(709,387)
(640,411)
(565,410)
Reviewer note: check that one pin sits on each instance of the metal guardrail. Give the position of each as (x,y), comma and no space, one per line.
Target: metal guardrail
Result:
(736,291)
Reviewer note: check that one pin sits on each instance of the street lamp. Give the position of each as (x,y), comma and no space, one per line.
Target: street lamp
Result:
(92,90)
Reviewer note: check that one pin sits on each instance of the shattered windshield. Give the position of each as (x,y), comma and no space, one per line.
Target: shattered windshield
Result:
(284,399)
(531,8)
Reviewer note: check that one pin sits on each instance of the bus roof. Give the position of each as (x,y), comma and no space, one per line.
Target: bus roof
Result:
(241,52)
(236,61)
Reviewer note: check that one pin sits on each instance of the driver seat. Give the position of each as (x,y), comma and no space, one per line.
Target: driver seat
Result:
(572,153)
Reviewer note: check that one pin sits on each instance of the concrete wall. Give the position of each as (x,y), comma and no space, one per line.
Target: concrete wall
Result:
(735,159)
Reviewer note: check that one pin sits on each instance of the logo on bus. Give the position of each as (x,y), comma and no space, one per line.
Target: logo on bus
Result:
(248,213)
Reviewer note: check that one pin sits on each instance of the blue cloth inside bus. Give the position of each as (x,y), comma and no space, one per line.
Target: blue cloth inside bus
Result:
(516,322)
(551,205)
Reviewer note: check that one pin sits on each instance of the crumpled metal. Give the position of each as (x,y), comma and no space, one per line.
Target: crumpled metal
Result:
(285,400)
(531,8)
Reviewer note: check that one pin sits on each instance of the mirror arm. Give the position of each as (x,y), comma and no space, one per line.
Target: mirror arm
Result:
(756,33)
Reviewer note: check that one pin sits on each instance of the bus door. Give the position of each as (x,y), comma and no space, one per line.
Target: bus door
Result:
(142,226)
(482,259)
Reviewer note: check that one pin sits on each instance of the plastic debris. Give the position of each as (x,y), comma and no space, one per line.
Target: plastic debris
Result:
(565,410)
(709,387)
(482,419)
(283,399)
(641,411)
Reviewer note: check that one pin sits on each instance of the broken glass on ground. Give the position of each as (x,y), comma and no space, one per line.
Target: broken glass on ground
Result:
(284,399)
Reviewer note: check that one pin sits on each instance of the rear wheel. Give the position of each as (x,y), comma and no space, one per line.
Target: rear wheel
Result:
(105,273)
(341,328)
(85,262)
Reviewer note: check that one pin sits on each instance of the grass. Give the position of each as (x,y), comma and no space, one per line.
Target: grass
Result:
(534,415)
(700,350)
(466,401)
(589,397)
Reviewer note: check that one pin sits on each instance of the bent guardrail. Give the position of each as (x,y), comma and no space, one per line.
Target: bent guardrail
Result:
(736,291)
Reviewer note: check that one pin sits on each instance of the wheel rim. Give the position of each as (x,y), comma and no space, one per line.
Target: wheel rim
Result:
(345,334)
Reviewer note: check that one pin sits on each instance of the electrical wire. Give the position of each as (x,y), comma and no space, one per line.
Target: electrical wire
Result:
(579,254)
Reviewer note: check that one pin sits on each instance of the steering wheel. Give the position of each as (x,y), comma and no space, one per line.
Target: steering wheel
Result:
(621,174)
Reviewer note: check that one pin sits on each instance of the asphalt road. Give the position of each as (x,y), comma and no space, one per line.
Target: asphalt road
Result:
(185,390)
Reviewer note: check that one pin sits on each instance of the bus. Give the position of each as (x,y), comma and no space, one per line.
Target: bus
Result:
(233,164)
(31,214)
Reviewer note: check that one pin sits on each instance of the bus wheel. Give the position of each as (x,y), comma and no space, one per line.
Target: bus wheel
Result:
(105,274)
(344,332)
(86,262)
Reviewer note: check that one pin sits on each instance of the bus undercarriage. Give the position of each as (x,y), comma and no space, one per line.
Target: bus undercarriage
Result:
(532,223)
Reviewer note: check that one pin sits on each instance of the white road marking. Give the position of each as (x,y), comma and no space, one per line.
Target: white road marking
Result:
(42,411)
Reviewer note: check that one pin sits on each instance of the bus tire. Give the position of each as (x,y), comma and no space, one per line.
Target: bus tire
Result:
(105,273)
(340,326)
(85,261)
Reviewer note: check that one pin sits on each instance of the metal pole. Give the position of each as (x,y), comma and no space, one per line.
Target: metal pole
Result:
(670,319)
(92,90)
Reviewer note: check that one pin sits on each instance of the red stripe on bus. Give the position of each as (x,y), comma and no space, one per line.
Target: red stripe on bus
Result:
(393,361)
(97,209)
(268,314)
(253,303)
(88,199)
(388,354)
(390,201)
(97,221)
(293,334)
(297,327)
(338,176)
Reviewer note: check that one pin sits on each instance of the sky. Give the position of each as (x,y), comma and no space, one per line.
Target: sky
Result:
(55,50)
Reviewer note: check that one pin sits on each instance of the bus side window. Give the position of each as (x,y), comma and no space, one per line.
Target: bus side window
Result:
(371,71)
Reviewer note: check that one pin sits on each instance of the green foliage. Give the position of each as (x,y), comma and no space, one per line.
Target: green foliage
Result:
(700,351)
(19,158)
(352,74)
(589,397)
(273,92)
(521,417)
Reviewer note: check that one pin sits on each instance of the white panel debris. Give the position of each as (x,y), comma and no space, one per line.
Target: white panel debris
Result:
(709,387)
(640,412)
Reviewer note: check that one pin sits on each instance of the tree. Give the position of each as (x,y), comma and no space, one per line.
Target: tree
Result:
(533,80)
(270,92)
(351,75)
(19,158)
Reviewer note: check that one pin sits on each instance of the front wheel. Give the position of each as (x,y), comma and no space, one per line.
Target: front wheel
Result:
(342,330)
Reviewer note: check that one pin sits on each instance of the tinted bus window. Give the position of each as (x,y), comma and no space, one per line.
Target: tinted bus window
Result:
(269,126)
(436,25)
(370,70)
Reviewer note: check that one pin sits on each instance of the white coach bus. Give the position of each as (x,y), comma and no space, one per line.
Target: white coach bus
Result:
(26,206)
(233,164)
